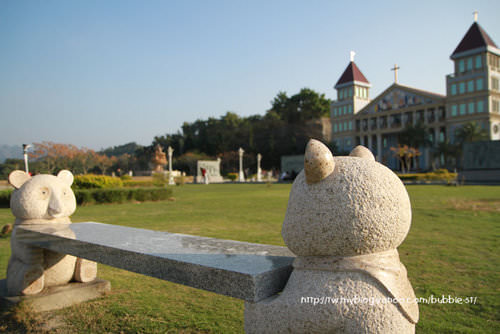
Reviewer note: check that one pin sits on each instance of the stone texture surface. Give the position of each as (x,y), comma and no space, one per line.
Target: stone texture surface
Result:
(56,297)
(361,207)
(344,230)
(287,313)
(42,200)
(362,152)
(238,269)
(318,162)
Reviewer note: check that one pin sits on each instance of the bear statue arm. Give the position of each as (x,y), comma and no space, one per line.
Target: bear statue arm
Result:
(85,270)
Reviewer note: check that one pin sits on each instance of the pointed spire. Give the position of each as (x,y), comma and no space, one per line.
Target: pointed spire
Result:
(352,73)
(475,38)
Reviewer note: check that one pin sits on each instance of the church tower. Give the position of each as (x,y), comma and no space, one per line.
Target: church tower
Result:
(353,93)
(473,92)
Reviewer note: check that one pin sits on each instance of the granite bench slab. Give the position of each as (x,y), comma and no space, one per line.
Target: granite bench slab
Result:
(242,270)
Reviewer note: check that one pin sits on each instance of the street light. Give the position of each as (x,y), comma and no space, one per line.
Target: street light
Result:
(25,151)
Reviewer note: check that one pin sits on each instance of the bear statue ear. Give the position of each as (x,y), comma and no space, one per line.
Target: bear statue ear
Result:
(66,177)
(318,161)
(18,177)
(362,152)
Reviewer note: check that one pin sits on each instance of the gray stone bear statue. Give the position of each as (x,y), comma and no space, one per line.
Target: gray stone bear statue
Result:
(43,200)
(345,218)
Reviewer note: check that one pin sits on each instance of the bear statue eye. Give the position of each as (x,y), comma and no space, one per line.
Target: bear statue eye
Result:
(44,191)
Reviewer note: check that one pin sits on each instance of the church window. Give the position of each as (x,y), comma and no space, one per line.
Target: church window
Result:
(470,86)
(469,64)
(454,89)
(461,65)
(441,136)
(479,84)
(480,106)
(454,110)
(471,107)
(461,87)
(494,83)
(462,108)
(479,62)
(349,109)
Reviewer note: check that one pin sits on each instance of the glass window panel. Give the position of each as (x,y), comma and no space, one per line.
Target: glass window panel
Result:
(462,109)
(469,64)
(480,106)
(454,110)
(479,62)
(471,107)
(454,89)
(462,87)
(461,65)
(470,86)
(479,84)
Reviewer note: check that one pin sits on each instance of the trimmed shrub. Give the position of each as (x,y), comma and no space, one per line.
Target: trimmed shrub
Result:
(232,176)
(91,181)
(84,196)
(125,177)
(138,183)
(437,175)
(5,198)
(101,196)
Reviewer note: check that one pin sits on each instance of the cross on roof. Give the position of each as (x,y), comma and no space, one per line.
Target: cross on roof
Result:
(395,69)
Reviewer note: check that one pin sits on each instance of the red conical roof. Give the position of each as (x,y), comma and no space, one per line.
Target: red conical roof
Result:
(351,73)
(475,38)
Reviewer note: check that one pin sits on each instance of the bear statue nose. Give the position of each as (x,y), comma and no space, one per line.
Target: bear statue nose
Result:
(55,207)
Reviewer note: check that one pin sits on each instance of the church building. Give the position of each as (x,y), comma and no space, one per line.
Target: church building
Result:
(472,94)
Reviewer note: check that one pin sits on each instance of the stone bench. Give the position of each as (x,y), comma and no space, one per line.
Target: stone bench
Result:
(345,218)
(241,270)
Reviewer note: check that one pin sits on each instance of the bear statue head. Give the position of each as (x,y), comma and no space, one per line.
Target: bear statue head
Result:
(345,206)
(46,197)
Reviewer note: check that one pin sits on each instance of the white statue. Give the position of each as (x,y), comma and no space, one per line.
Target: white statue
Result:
(345,218)
(49,201)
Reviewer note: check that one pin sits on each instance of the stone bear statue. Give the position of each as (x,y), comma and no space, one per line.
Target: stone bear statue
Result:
(345,218)
(49,201)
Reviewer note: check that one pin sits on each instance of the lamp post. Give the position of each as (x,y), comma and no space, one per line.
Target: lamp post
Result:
(170,151)
(259,171)
(25,153)
(241,174)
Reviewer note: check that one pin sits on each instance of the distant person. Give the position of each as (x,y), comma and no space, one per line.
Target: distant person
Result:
(204,174)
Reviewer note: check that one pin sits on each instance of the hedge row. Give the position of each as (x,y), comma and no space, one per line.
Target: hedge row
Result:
(98,196)
(437,175)
(91,181)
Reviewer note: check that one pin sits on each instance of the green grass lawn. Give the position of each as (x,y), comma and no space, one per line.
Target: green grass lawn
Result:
(452,249)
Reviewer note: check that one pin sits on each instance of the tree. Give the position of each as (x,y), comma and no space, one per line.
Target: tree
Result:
(405,154)
(415,136)
(305,105)
(51,157)
(446,152)
(470,132)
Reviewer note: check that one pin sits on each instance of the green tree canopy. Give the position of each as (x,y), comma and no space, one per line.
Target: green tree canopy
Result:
(305,105)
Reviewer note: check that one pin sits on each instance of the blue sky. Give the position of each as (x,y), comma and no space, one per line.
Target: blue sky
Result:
(104,73)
